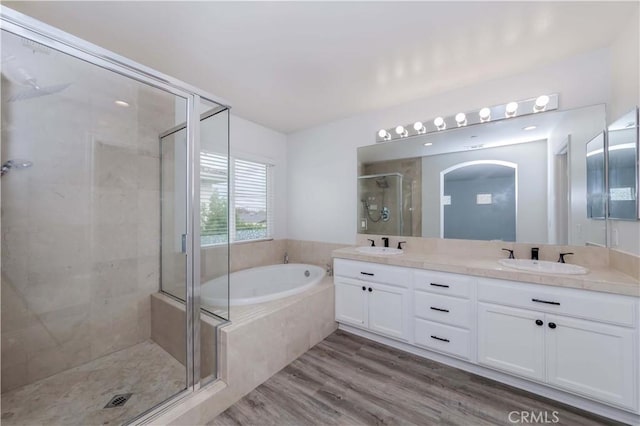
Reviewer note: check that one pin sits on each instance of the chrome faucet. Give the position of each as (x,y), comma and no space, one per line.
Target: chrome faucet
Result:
(286,257)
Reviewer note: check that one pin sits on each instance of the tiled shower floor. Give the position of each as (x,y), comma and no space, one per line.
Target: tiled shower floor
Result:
(77,396)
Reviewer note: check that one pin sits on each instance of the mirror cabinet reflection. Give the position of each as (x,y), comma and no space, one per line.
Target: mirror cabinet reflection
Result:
(622,154)
(548,178)
(596,178)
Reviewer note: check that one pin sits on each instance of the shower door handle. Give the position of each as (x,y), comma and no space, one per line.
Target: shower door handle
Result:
(184,243)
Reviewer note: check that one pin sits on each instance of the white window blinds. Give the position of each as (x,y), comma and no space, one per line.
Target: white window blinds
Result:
(250,203)
(214,200)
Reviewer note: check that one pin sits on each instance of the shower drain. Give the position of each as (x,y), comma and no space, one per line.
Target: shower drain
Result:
(118,400)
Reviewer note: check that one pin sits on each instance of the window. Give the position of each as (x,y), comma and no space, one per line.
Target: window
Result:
(249,201)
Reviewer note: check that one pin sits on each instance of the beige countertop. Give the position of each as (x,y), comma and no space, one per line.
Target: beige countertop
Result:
(598,279)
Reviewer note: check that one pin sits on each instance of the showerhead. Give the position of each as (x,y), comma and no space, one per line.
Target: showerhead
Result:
(16,73)
(37,91)
(14,164)
(382,182)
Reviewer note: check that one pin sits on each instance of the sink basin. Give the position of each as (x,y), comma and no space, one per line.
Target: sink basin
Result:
(544,266)
(383,251)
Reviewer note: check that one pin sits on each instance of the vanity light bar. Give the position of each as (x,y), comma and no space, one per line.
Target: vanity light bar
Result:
(462,119)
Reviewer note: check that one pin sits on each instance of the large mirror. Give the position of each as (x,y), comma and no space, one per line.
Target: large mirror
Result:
(623,167)
(522,179)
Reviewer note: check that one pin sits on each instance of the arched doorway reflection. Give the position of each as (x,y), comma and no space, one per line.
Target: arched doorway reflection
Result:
(478,201)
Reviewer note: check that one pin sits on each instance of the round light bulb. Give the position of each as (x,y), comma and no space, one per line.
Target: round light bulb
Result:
(511,109)
(485,114)
(400,130)
(439,123)
(382,133)
(418,126)
(541,103)
(461,119)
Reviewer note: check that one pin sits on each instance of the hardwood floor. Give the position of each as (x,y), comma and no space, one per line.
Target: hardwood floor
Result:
(348,380)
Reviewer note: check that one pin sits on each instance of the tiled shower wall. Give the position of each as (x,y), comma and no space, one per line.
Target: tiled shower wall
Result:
(80,229)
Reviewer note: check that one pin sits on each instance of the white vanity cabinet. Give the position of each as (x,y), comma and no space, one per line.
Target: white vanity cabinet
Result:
(373,297)
(577,340)
(578,346)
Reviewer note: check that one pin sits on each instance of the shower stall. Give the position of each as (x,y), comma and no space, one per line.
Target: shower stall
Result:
(100,205)
(381,204)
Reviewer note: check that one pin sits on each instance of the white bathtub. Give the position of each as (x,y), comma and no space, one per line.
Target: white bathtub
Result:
(261,284)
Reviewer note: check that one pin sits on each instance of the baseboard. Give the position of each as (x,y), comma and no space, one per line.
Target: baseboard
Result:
(545,391)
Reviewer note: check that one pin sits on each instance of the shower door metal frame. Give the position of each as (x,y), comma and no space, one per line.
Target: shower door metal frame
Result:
(32,29)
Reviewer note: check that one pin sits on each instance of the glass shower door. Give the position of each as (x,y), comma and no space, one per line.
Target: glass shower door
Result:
(173,236)
(82,339)
(210,232)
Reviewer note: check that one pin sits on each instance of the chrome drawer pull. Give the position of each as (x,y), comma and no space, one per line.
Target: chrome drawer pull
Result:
(545,301)
(367,273)
(439,309)
(440,338)
(439,285)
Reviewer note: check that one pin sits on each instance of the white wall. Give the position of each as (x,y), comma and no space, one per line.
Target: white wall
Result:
(322,167)
(252,141)
(625,58)
(578,128)
(625,94)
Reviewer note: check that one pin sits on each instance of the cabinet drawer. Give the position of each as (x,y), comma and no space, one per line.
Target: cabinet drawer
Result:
(444,283)
(603,307)
(444,309)
(442,338)
(372,272)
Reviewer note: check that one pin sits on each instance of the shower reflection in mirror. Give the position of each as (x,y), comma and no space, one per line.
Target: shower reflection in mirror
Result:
(381,202)
(390,197)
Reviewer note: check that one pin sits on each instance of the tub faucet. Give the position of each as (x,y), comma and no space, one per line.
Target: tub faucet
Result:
(329,270)
(386,241)
(286,257)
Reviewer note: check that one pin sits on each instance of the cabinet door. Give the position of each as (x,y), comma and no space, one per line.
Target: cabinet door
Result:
(509,339)
(388,313)
(592,359)
(351,302)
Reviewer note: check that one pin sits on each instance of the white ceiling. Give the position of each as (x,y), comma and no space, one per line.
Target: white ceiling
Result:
(290,66)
